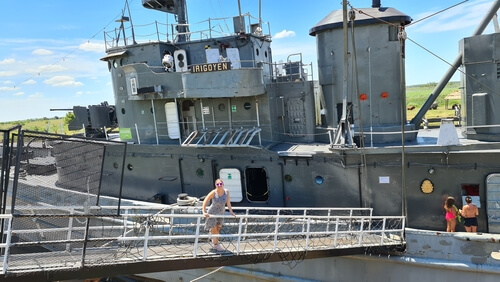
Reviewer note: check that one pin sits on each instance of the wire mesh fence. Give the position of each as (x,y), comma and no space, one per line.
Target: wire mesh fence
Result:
(60,171)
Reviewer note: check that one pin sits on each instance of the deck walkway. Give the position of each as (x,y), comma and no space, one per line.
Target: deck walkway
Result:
(48,243)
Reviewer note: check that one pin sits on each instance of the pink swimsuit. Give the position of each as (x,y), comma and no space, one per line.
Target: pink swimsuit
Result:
(449,215)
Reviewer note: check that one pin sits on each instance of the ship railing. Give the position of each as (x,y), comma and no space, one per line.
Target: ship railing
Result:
(222,137)
(291,70)
(203,30)
(62,238)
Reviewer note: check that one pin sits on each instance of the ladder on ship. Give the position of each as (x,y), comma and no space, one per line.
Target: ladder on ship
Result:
(54,241)
(240,137)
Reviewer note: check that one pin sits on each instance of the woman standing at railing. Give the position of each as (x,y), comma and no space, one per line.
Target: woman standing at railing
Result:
(220,198)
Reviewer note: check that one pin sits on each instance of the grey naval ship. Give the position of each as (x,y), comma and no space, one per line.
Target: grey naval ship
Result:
(194,106)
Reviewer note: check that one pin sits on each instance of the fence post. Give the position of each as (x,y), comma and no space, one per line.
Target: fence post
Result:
(70,227)
(146,238)
(307,233)
(195,251)
(240,229)
(7,245)
(382,235)
(276,230)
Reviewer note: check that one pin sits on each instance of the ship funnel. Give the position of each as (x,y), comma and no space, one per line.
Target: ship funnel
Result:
(376,4)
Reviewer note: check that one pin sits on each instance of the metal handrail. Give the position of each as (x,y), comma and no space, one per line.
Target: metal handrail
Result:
(157,224)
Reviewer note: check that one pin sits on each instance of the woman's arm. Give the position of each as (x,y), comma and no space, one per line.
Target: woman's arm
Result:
(205,202)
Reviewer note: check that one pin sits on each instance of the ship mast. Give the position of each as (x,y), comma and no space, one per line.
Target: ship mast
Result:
(343,135)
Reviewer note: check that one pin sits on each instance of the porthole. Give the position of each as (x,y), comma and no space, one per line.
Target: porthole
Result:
(319,180)
(115,64)
(265,54)
(247,106)
(288,178)
(200,172)
(257,51)
(115,165)
(222,107)
(123,110)
(130,167)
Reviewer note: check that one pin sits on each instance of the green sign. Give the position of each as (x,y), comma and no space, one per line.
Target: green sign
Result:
(125,134)
(233,108)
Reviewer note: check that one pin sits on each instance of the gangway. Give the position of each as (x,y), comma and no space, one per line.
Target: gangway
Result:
(56,243)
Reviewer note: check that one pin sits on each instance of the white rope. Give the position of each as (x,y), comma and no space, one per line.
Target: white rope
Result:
(203,276)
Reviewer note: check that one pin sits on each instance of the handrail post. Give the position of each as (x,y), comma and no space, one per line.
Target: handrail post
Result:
(336,232)
(70,228)
(382,235)
(361,232)
(307,233)
(146,239)
(238,242)
(7,245)
(196,239)
(125,218)
(276,230)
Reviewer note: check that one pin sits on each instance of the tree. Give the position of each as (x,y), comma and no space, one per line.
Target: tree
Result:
(70,116)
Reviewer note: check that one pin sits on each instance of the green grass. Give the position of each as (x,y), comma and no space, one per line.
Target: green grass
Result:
(51,125)
(416,96)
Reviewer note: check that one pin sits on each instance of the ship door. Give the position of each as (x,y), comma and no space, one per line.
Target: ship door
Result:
(493,202)
(256,184)
(172,120)
(188,117)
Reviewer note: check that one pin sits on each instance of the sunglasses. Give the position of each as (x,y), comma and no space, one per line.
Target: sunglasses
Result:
(219,184)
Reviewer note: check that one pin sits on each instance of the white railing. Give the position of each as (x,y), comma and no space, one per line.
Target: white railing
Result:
(83,236)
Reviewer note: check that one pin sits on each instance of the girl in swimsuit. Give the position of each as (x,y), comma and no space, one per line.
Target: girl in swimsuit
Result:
(451,214)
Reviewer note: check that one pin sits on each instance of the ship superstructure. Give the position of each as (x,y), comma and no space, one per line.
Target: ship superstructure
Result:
(198,105)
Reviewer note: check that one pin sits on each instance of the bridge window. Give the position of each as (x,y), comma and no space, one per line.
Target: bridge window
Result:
(256,184)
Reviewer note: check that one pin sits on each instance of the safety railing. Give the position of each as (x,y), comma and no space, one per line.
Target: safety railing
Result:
(155,32)
(77,237)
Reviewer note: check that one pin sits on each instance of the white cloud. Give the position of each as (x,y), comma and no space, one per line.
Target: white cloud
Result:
(460,17)
(18,94)
(6,89)
(284,33)
(92,47)
(62,80)
(29,81)
(42,52)
(7,61)
(8,82)
(36,95)
(8,73)
(47,68)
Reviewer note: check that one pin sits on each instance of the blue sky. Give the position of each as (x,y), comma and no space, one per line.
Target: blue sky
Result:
(50,49)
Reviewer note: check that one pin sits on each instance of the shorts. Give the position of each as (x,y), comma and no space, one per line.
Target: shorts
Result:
(471,221)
